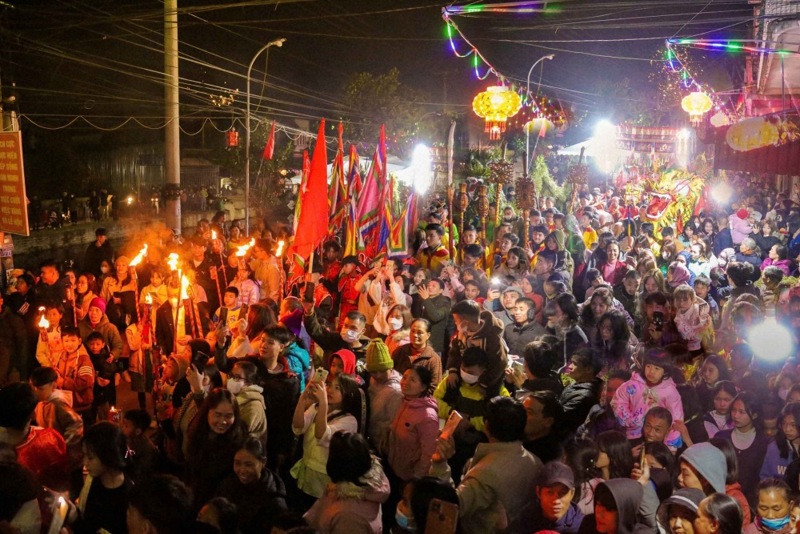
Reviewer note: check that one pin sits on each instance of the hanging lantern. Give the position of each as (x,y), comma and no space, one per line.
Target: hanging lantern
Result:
(696,105)
(232,138)
(496,105)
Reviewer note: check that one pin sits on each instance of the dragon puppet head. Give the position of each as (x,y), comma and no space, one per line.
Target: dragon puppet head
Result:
(671,199)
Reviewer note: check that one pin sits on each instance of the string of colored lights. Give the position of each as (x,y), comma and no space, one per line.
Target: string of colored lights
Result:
(738,45)
(451,28)
(502,7)
(689,82)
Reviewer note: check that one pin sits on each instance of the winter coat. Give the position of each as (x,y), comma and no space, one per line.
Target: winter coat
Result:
(140,349)
(437,311)
(490,339)
(498,480)
(569,523)
(468,400)
(252,410)
(783,265)
(258,503)
(77,373)
(348,508)
(634,398)
(427,358)
(95,255)
(110,333)
(751,458)
(577,400)
(775,465)
(712,427)
(384,401)
(412,440)
(740,228)
(56,412)
(299,362)
(627,495)
(517,337)
(14,337)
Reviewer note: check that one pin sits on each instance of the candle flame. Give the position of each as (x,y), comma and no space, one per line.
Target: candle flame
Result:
(172,261)
(138,259)
(44,323)
(280,248)
(41,309)
(213,234)
(148,299)
(61,501)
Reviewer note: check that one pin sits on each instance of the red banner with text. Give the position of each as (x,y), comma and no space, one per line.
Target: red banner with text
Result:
(13,202)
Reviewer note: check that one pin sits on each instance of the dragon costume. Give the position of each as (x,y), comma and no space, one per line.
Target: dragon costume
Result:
(672,199)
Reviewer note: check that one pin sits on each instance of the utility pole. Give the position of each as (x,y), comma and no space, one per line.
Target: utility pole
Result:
(172,141)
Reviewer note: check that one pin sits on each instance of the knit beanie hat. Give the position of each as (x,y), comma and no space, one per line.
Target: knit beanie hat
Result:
(709,462)
(97,302)
(378,357)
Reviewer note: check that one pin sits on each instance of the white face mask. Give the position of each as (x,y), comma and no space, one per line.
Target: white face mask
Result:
(395,324)
(349,336)
(468,378)
(235,386)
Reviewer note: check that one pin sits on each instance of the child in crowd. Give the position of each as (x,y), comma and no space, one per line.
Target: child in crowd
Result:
(230,309)
(650,386)
(76,374)
(143,454)
(156,290)
(141,337)
(693,320)
(105,391)
(702,288)
(54,409)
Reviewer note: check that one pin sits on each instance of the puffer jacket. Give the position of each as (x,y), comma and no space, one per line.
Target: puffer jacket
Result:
(412,440)
(347,507)
(109,331)
(77,373)
(577,400)
(634,398)
(299,362)
(252,410)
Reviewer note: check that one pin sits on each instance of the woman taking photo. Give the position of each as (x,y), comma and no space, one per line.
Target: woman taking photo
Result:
(257,492)
(216,433)
(323,410)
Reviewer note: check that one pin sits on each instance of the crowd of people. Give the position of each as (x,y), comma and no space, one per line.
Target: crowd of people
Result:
(580,371)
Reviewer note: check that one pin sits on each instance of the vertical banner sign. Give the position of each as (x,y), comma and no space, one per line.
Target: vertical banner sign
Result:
(13,202)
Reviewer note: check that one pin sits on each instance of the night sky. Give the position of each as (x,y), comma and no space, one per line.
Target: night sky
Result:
(102,59)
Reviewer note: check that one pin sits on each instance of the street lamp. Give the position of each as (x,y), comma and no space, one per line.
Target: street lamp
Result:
(528,130)
(278,43)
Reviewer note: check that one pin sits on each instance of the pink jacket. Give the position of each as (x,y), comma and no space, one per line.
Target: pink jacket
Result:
(346,507)
(412,440)
(634,398)
(740,228)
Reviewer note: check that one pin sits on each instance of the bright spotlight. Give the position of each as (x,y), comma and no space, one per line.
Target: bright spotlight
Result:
(421,163)
(684,134)
(722,193)
(605,128)
(771,342)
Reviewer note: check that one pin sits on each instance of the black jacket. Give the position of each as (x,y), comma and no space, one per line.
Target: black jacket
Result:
(258,504)
(95,255)
(517,337)
(577,400)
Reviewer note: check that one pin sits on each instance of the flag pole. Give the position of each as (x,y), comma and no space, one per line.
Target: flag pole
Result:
(450,143)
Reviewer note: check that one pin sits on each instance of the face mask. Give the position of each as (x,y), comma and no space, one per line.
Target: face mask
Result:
(404,522)
(235,386)
(783,393)
(468,378)
(774,524)
(665,255)
(395,324)
(349,336)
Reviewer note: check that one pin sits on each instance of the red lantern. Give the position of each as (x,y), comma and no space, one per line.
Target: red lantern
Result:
(232,138)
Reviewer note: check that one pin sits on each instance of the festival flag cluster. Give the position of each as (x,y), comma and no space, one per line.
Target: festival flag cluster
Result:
(358,210)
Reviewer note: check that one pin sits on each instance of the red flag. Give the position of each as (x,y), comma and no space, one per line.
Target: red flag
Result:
(269,148)
(312,225)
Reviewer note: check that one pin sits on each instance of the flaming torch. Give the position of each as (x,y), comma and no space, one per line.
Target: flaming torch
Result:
(132,269)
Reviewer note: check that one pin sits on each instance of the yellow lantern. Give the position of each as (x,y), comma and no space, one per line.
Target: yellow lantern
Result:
(696,105)
(496,105)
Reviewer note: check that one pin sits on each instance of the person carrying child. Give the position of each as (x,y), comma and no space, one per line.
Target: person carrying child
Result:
(105,390)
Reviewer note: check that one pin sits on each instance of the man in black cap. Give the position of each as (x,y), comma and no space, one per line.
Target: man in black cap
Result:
(554,507)
(100,249)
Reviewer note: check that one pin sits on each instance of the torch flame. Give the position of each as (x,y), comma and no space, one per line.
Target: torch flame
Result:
(280,248)
(213,234)
(138,259)
(184,288)
(172,261)
(148,299)
(44,323)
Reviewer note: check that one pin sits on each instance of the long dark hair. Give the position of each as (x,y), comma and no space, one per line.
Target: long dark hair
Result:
(581,457)
(725,511)
(352,400)
(793,409)
(199,435)
(618,350)
(620,454)
(259,318)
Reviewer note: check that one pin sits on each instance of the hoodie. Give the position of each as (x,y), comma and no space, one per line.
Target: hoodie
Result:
(627,495)
(384,401)
(252,410)
(709,462)
(412,437)
(346,507)
(740,228)
(490,338)
(299,362)
(634,398)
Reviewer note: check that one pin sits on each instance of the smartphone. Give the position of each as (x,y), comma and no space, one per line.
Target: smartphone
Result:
(320,375)
(223,316)
(442,517)
(453,420)
(518,367)
(658,320)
